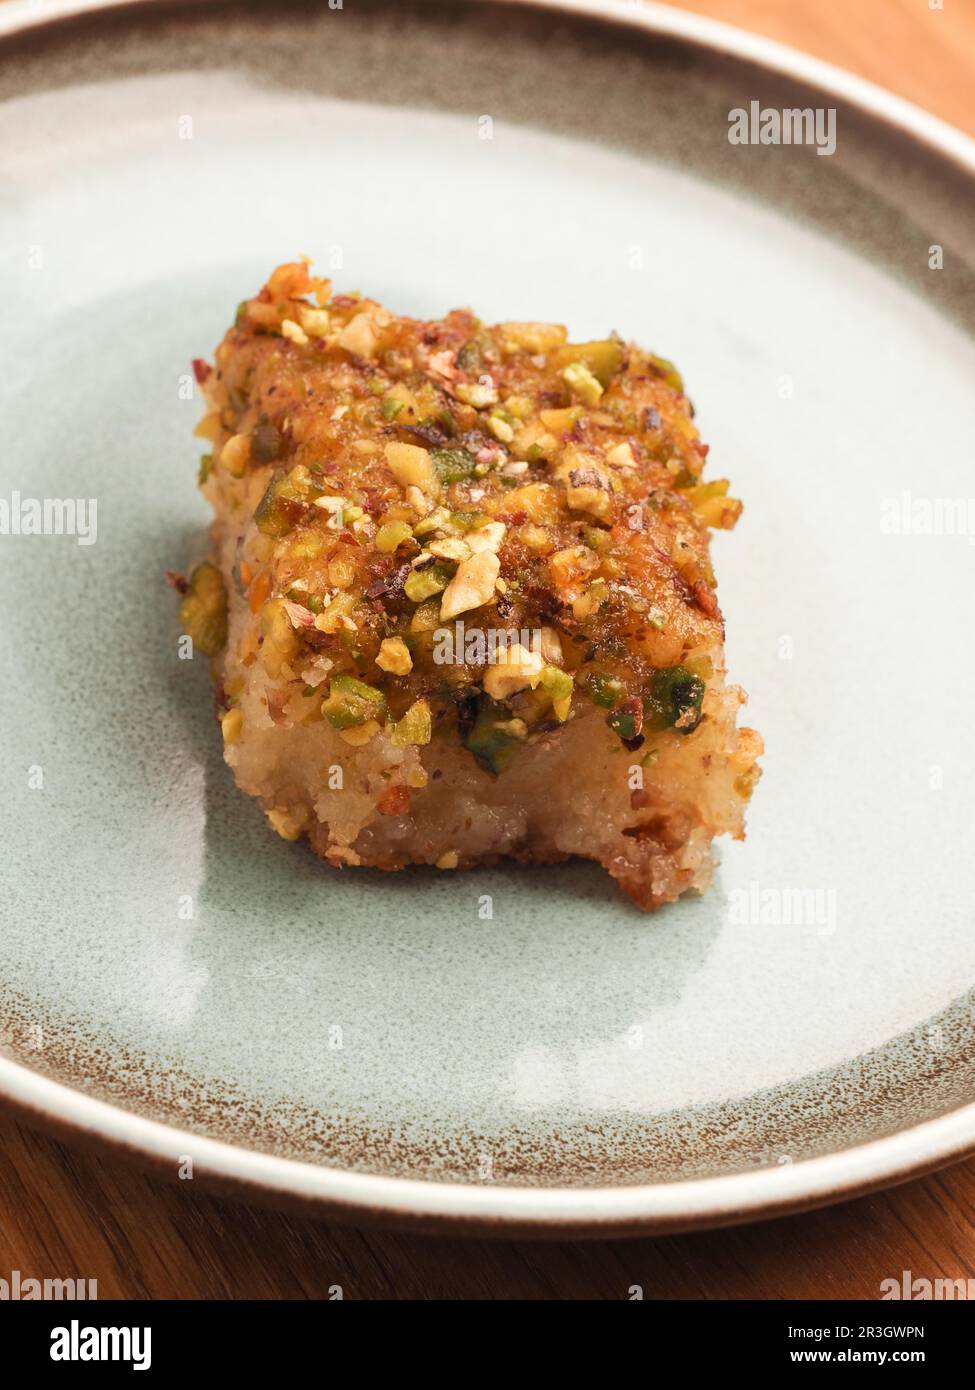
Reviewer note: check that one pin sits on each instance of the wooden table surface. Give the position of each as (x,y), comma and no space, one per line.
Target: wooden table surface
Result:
(66,1212)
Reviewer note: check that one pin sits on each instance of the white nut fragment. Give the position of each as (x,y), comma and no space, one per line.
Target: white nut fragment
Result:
(478,393)
(621,456)
(587,482)
(394,657)
(500,429)
(358,336)
(316,670)
(290,823)
(360,734)
(416,499)
(471,586)
(519,669)
(313,321)
(534,337)
(486,539)
(551,646)
(335,506)
(450,548)
(298,616)
(235,454)
(411,467)
(582,383)
(294,332)
(514,728)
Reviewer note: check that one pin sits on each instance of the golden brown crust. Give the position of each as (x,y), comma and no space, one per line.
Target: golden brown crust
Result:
(605,516)
(383,485)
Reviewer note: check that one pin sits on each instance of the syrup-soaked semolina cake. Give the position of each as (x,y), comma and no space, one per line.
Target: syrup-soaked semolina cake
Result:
(461,603)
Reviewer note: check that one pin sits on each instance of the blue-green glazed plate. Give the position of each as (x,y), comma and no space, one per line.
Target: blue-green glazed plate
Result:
(176,980)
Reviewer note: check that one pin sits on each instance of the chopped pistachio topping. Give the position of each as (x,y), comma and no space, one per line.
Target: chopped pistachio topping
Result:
(556,683)
(203,612)
(351,702)
(674,700)
(416,726)
(491,744)
(391,535)
(401,476)
(453,465)
(424,583)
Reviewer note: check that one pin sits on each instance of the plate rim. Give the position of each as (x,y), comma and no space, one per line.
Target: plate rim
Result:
(484,1208)
(507,1210)
(19,19)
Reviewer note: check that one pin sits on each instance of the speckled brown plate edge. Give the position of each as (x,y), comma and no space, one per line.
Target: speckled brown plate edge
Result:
(435,1207)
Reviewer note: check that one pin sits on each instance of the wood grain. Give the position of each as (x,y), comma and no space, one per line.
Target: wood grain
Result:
(926,55)
(69,1213)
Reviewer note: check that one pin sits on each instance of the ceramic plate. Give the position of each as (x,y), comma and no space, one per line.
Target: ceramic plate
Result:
(177,980)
